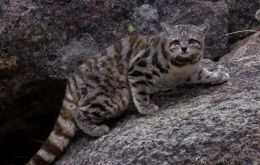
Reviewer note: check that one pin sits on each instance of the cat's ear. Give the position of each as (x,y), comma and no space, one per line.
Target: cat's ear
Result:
(166,28)
(204,28)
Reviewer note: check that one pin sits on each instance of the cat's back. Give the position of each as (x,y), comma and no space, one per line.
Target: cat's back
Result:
(114,60)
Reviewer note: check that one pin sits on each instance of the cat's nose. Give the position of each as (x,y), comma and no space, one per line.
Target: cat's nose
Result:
(184,49)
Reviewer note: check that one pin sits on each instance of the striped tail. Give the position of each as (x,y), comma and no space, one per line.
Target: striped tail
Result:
(64,129)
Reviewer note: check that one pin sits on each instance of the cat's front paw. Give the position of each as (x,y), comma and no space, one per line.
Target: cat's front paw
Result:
(100,130)
(221,78)
(150,109)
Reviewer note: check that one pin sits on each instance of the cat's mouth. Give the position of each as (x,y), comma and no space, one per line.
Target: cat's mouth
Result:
(185,58)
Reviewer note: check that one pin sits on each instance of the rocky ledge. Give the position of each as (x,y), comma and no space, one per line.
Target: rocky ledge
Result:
(41,42)
(197,124)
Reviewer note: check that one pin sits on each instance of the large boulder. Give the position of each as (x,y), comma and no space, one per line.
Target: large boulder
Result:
(41,42)
(197,124)
(242,16)
(55,36)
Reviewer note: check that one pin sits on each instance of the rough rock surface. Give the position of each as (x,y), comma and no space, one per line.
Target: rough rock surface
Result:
(45,34)
(146,19)
(242,17)
(257,15)
(42,41)
(196,125)
(45,40)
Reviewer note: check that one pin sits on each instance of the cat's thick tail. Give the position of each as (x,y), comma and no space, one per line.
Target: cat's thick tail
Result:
(63,131)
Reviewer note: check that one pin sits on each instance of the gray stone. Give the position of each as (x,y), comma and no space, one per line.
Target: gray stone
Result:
(43,34)
(242,17)
(146,18)
(245,52)
(196,125)
(146,13)
(38,32)
(64,60)
(257,15)
(43,41)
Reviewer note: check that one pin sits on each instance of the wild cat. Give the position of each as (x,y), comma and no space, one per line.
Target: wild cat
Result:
(101,87)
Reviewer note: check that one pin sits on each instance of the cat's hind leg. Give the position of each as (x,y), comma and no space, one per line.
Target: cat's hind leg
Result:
(95,110)
(89,127)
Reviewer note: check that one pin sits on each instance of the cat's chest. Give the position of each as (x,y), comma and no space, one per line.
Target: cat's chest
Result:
(177,75)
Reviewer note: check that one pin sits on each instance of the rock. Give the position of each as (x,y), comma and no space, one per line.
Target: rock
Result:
(196,125)
(146,18)
(64,60)
(44,34)
(245,52)
(257,15)
(39,32)
(146,13)
(242,17)
(41,42)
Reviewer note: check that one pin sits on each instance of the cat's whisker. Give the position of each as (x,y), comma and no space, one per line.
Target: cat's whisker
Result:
(36,140)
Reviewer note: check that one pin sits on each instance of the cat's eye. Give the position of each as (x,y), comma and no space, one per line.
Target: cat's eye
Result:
(193,41)
(175,42)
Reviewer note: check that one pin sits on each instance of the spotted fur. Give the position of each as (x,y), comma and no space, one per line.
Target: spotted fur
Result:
(100,89)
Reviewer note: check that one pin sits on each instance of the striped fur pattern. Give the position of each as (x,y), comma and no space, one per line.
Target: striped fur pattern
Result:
(102,86)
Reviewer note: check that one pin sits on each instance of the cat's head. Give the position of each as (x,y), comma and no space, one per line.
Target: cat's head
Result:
(185,42)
